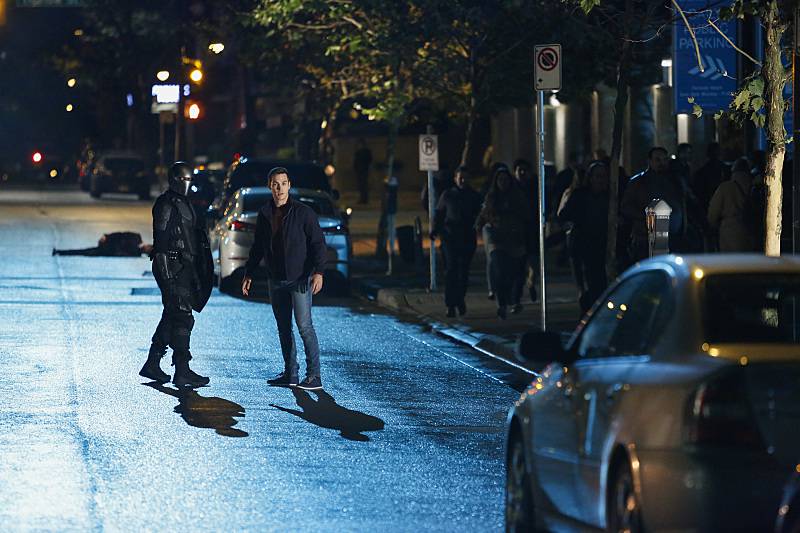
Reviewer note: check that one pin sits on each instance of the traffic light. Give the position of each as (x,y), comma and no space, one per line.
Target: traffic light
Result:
(37,157)
(192,111)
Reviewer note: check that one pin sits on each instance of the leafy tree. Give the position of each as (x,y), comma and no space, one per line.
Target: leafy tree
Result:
(479,59)
(760,100)
(122,45)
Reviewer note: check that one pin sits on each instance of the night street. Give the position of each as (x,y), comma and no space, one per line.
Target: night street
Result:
(407,435)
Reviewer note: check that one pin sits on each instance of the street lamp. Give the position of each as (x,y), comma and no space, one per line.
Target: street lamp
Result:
(69,108)
(196,75)
(71,82)
(162,75)
(217,48)
(194,112)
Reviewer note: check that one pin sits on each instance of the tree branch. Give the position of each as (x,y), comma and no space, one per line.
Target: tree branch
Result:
(745,54)
(691,33)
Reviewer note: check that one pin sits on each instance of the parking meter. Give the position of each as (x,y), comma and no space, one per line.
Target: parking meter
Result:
(657,215)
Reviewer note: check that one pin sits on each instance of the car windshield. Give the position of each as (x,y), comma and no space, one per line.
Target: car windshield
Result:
(752,308)
(321,206)
(123,164)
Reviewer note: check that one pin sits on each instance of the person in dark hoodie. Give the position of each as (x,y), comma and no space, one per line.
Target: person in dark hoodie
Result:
(289,239)
(454,222)
(587,210)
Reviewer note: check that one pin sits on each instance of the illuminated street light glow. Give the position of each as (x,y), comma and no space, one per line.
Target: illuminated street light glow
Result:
(69,108)
(196,75)
(330,170)
(194,111)
(37,157)
(78,32)
(71,82)
(53,173)
(162,75)
(217,48)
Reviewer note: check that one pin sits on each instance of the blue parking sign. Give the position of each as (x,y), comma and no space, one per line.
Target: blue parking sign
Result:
(712,88)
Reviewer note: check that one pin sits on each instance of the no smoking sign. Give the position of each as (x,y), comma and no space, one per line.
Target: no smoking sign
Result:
(547,72)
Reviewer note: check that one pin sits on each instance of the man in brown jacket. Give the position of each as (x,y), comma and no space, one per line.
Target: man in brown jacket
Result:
(727,211)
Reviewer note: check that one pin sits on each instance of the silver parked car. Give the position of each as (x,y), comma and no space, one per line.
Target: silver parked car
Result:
(675,405)
(232,235)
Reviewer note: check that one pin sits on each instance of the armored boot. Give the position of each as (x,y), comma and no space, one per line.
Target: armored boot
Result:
(185,376)
(152,368)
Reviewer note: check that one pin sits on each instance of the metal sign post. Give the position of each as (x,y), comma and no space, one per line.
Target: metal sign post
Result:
(547,76)
(429,160)
(541,221)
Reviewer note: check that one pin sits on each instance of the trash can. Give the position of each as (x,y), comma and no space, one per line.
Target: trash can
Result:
(405,241)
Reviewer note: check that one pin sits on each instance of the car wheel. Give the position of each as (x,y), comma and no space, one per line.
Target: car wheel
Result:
(623,510)
(519,500)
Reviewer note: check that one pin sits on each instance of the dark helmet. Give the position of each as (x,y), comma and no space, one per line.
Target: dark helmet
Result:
(180,177)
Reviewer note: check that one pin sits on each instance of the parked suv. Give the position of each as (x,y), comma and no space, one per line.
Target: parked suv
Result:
(120,172)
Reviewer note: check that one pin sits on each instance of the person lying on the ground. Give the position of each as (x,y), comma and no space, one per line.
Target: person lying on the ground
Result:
(117,244)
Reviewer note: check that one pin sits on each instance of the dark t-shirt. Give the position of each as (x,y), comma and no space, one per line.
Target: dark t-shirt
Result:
(278,266)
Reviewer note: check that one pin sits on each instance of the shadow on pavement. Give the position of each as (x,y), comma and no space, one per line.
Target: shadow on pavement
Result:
(214,413)
(326,413)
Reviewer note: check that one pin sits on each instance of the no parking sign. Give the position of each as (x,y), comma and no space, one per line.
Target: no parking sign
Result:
(547,72)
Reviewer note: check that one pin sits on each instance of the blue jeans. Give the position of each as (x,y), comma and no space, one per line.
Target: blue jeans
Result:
(286,299)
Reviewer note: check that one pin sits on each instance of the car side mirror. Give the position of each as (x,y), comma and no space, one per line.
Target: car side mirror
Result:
(543,347)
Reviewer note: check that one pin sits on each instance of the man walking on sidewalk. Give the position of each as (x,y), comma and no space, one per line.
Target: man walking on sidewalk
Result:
(454,222)
(289,238)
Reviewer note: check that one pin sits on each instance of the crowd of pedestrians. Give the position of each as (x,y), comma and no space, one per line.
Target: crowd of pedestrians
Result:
(718,207)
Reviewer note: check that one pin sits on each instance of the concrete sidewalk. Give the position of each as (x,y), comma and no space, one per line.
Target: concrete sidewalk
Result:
(406,293)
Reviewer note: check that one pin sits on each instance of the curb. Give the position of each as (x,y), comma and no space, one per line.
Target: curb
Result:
(490,345)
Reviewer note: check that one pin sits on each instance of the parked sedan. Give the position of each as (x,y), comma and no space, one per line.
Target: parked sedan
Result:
(674,405)
(120,172)
(252,172)
(232,235)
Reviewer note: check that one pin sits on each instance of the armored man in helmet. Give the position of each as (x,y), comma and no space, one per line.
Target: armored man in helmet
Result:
(183,269)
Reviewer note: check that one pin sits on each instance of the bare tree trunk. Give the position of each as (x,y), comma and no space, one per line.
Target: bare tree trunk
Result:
(472,114)
(472,117)
(774,81)
(616,143)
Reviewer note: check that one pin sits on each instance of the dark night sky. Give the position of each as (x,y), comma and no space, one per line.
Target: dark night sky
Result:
(33,93)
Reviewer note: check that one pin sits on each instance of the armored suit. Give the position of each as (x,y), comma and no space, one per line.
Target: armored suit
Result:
(182,266)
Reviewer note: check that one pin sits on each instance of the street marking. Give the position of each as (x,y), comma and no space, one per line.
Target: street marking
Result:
(429,345)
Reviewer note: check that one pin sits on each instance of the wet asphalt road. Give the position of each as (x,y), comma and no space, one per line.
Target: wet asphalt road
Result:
(408,435)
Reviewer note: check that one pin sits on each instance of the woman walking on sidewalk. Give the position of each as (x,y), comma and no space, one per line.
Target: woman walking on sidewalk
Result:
(504,219)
